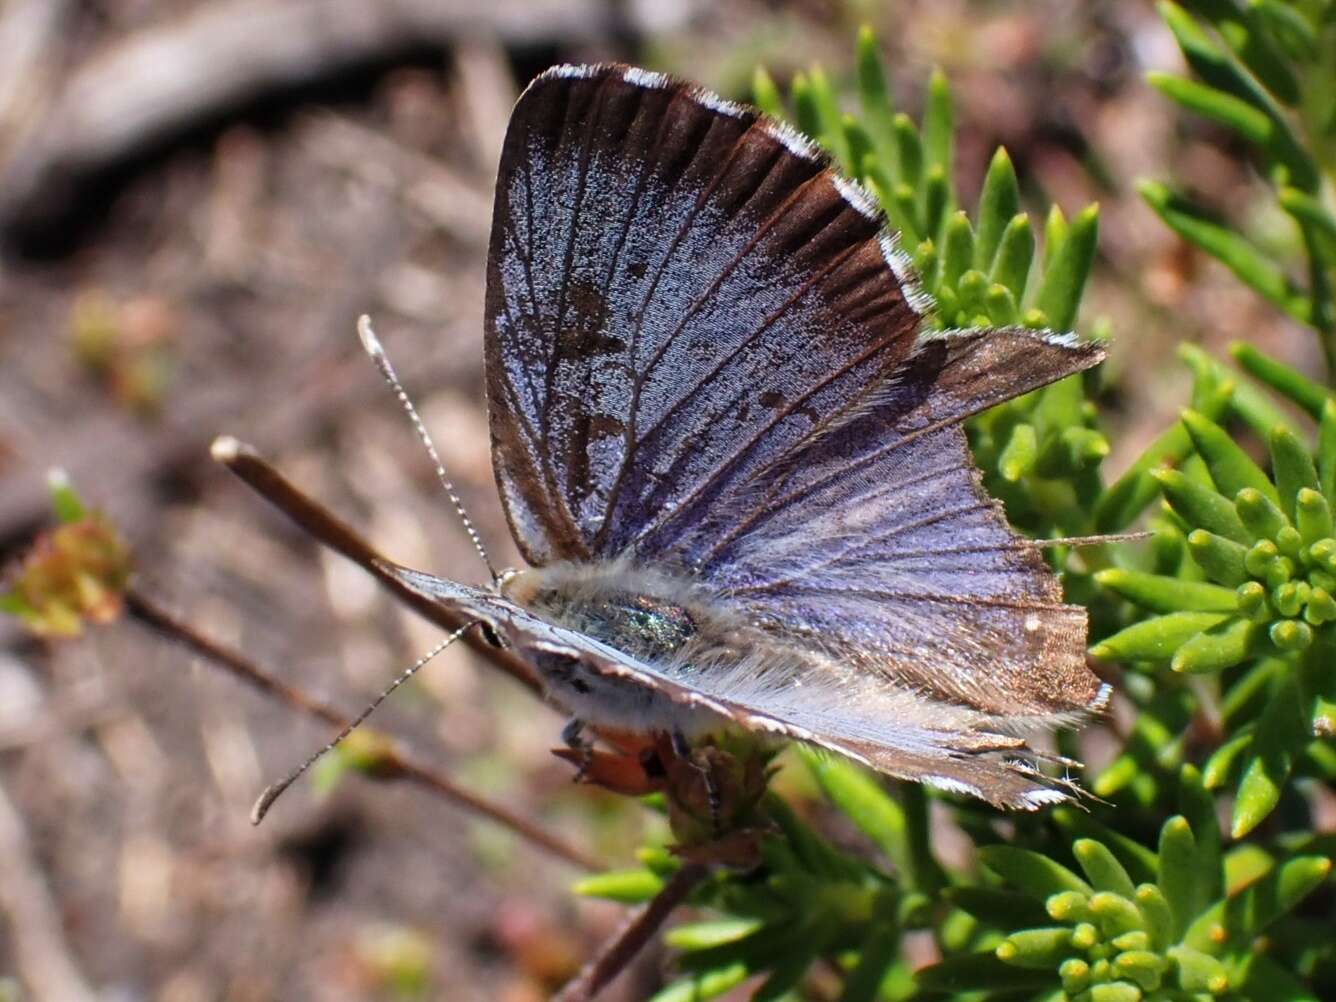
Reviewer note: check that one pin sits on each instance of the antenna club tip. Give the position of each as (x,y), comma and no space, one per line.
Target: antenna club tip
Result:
(370,343)
(263,803)
(226,448)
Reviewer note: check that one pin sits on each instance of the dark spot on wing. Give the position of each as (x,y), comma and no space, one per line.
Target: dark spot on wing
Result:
(606,426)
(586,429)
(585,332)
(771,398)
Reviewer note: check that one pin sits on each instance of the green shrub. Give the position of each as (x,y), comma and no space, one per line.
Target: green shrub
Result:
(1225,621)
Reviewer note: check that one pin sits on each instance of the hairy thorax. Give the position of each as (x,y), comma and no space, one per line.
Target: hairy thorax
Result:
(656,620)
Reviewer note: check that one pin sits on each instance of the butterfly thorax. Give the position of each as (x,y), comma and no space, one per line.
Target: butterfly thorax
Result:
(649,616)
(655,619)
(643,626)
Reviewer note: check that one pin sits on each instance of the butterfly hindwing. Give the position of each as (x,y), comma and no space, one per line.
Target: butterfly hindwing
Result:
(879,538)
(633,693)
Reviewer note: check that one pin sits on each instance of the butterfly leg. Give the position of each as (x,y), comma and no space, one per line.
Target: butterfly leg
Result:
(572,736)
(712,794)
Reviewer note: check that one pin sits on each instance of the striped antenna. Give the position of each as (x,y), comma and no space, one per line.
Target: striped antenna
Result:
(275,790)
(373,348)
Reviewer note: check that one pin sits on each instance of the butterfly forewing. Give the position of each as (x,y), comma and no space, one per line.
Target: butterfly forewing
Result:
(672,290)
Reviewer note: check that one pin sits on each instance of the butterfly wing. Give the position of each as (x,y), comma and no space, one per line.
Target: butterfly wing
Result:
(669,275)
(979,764)
(704,349)
(877,536)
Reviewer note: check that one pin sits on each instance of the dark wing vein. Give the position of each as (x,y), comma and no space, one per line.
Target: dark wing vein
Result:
(711,478)
(869,458)
(574,209)
(893,595)
(775,316)
(865,540)
(646,169)
(631,436)
(768,505)
(513,235)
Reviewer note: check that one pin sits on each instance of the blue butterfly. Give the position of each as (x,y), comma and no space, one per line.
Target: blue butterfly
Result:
(730,449)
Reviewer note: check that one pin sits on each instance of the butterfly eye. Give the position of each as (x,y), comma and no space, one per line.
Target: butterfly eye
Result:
(652,764)
(490,635)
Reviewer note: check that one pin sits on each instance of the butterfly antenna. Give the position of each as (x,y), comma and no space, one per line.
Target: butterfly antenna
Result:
(1075,541)
(275,790)
(373,348)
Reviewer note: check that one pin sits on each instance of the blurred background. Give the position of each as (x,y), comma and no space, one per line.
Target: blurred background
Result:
(196,201)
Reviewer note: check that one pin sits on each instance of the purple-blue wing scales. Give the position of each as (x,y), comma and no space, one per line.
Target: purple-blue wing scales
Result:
(878,538)
(670,275)
(700,353)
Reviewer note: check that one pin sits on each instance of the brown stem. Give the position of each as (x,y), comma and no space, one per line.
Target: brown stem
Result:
(148,612)
(638,929)
(326,527)
(396,763)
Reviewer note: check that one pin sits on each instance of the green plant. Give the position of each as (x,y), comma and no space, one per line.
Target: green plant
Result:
(1225,619)
(1188,921)
(73,574)
(1041,453)
(1265,70)
(1243,591)
(1224,623)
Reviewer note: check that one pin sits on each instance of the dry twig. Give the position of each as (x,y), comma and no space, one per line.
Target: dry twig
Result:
(195,70)
(396,763)
(325,527)
(29,30)
(435,190)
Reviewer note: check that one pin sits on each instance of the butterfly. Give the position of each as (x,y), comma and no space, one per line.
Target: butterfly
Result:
(730,450)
